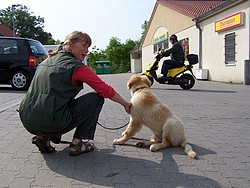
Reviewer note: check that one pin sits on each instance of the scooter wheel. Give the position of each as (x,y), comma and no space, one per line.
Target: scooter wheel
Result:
(190,81)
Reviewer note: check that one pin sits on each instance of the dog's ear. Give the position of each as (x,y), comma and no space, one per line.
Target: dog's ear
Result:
(131,81)
(146,80)
(129,85)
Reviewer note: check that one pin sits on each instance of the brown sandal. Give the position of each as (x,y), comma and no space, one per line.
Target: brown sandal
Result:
(78,148)
(43,145)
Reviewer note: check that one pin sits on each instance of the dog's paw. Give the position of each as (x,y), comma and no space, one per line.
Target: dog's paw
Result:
(117,141)
(140,144)
(191,154)
(153,148)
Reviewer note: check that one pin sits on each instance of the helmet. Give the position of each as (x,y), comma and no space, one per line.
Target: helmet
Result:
(173,37)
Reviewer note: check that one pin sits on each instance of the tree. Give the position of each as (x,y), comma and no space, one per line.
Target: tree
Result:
(116,52)
(95,55)
(27,25)
(119,55)
(144,27)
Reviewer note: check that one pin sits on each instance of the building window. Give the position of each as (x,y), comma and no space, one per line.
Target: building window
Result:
(160,42)
(185,46)
(230,49)
(161,46)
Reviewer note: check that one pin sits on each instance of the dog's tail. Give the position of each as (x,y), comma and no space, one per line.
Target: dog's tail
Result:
(188,149)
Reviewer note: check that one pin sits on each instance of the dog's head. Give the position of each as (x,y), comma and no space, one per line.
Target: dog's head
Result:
(137,82)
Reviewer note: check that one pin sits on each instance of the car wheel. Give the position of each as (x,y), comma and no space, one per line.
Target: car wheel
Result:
(20,80)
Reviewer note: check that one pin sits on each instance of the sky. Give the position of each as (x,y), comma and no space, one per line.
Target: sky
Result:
(101,19)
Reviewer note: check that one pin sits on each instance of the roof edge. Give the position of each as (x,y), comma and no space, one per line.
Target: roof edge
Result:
(149,23)
(223,6)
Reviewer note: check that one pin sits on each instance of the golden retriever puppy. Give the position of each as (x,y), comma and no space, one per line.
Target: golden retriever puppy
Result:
(147,110)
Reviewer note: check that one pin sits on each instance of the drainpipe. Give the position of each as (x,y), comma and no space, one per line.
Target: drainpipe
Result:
(200,43)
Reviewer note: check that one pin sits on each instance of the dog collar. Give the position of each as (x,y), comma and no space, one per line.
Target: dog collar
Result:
(139,89)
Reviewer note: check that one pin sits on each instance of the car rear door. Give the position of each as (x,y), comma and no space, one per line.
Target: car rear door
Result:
(37,50)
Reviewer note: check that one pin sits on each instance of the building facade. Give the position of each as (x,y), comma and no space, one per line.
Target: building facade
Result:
(218,31)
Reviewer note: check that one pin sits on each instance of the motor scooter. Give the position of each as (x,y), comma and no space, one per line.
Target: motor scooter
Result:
(176,76)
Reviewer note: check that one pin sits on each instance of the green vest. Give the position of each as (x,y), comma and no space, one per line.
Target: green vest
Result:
(45,108)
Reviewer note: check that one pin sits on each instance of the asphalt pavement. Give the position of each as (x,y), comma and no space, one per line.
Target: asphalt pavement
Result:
(216,118)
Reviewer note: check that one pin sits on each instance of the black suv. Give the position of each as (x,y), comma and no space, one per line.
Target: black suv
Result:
(19,58)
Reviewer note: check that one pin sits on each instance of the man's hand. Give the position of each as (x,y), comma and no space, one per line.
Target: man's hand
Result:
(158,57)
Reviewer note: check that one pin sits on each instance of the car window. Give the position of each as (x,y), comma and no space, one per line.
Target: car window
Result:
(8,46)
(37,47)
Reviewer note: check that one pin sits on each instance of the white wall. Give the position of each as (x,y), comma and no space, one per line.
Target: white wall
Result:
(136,66)
(49,47)
(213,47)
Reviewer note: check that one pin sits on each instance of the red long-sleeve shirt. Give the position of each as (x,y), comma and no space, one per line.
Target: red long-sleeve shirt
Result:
(86,75)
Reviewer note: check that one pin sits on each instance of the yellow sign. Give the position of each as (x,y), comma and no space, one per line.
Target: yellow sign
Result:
(232,21)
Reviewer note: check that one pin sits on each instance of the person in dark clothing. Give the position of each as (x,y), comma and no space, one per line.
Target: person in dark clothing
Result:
(177,57)
(51,107)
